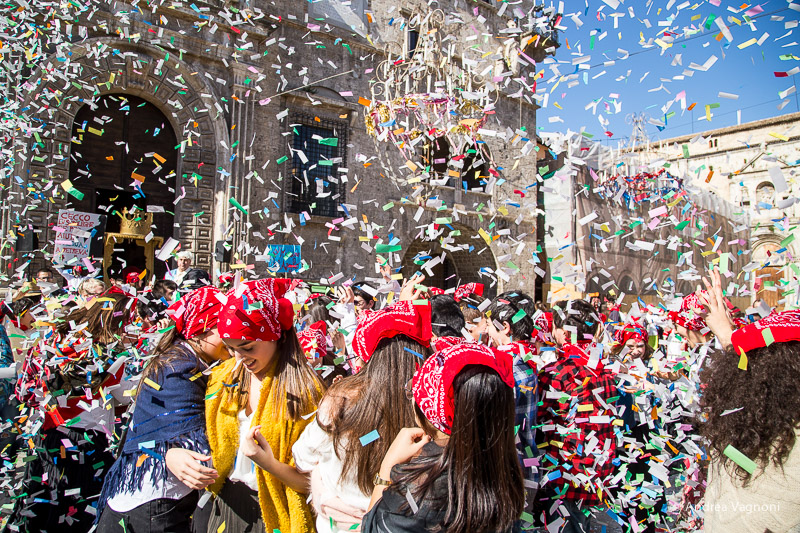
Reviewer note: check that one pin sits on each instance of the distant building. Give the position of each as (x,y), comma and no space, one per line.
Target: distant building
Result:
(623,231)
(756,167)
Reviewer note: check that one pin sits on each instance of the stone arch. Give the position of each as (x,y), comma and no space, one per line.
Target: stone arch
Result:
(168,83)
(461,253)
(627,285)
(772,268)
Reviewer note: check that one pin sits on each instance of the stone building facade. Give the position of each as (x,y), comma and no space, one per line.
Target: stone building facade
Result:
(755,167)
(602,241)
(247,90)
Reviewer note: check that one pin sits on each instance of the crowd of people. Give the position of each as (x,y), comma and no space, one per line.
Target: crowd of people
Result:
(259,405)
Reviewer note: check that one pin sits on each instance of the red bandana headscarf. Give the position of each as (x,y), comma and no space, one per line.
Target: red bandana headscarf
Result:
(784,327)
(543,320)
(257,311)
(467,289)
(435,291)
(312,339)
(633,330)
(197,312)
(440,343)
(433,382)
(689,316)
(402,318)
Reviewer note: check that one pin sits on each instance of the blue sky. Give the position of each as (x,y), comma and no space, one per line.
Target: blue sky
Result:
(746,72)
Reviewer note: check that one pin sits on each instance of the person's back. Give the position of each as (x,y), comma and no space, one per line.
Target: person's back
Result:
(576,414)
(458,472)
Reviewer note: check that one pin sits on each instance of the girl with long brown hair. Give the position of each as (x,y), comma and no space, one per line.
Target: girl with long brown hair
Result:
(458,471)
(153,485)
(269,391)
(340,452)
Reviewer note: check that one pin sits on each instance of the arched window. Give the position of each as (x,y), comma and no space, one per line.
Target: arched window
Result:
(765,192)
(436,155)
(627,285)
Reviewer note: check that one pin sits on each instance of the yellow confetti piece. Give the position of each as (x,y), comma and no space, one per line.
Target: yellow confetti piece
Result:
(95,131)
(778,136)
(221,528)
(152,383)
(585,407)
(748,43)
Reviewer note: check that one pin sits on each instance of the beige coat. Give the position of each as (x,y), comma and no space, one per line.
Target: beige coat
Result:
(771,500)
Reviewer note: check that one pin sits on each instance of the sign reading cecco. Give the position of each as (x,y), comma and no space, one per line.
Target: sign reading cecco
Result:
(74,232)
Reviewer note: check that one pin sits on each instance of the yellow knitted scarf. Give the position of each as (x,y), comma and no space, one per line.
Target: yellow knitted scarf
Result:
(281,507)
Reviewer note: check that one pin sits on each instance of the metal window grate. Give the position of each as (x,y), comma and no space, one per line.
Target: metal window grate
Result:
(315,185)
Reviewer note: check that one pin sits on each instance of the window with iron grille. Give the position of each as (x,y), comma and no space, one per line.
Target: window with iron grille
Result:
(319,147)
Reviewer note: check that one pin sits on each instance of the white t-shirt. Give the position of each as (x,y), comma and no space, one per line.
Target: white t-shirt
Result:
(314,453)
(244,470)
(172,489)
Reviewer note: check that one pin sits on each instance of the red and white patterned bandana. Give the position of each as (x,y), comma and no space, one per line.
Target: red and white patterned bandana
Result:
(543,320)
(467,289)
(440,343)
(433,382)
(435,291)
(312,339)
(633,330)
(689,316)
(784,326)
(197,312)
(257,311)
(402,318)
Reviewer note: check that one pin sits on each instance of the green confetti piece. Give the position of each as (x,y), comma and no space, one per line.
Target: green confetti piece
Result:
(332,141)
(237,205)
(76,193)
(519,316)
(388,206)
(282,160)
(768,338)
(740,459)
(387,249)
(682,225)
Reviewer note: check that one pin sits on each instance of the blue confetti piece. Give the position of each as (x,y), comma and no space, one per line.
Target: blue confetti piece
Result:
(409,350)
(372,436)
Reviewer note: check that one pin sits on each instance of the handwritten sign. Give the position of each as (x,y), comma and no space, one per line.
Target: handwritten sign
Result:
(74,233)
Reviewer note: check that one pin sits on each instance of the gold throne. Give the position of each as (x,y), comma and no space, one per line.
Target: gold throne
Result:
(134,227)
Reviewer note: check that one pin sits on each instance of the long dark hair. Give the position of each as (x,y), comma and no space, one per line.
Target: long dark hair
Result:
(105,323)
(373,399)
(296,387)
(768,393)
(485,490)
(167,351)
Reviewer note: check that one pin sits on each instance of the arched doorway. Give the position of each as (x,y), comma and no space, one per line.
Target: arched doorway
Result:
(458,257)
(124,156)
